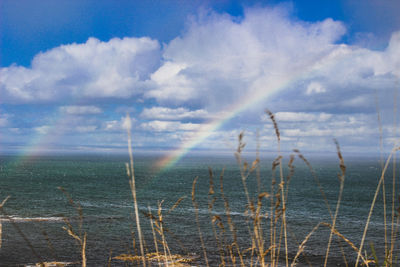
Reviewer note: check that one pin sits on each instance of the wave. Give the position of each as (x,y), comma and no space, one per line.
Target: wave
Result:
(220,212)
(30,219)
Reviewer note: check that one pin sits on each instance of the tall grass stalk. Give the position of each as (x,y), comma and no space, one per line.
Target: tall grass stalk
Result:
(154,236)
(381,162)
(303,244)
(392,235)
(282,183)
(80,237)
(341,177)
(161,231)
(257,237)
(273,214)
(131,174)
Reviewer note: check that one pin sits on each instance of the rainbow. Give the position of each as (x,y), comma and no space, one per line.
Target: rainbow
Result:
(273,83)
(43,141)
(206,129)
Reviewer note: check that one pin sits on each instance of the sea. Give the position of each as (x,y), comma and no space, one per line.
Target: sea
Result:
(91,195)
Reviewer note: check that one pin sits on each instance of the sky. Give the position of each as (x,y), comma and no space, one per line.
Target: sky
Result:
(194,74)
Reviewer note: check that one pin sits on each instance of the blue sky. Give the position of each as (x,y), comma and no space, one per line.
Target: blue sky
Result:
(196,74)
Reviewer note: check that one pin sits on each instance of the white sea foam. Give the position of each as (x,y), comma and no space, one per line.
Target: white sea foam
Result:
(30,219)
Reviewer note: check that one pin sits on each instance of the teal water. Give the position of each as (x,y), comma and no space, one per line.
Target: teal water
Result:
(100,185)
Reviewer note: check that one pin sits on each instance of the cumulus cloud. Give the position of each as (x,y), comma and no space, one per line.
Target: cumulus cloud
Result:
(169,80)
(164,113)
(117,68)
(80,110)
(350,75)
(220,60)
(315,88)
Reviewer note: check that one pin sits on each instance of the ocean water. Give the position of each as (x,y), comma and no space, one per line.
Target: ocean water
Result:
(38,208)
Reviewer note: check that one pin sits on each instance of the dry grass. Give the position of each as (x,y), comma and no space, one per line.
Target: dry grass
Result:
(264,251)
(341,177)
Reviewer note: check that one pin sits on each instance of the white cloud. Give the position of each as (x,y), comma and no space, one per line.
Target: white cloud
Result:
(299,117)
(95,69)
(219,60)
(315,88)
(169,80)
(80,110)
(44,129)
(169,126)
(114,125)
(118,125)
(164,113)
(316,132)
(356,70)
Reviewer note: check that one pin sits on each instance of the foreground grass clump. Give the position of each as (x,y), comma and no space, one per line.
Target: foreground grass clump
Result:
(267,224)
(263,238)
